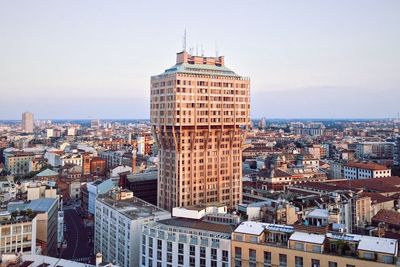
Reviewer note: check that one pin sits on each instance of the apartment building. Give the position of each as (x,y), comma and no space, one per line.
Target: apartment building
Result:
(361,170)
(261,244)
(281,178)
(199,108)
(195,236)
(17,232)
(119,217)
(376,150)
(46,210)
(17,162)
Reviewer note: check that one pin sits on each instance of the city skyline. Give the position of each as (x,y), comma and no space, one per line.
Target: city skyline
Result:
(69,60)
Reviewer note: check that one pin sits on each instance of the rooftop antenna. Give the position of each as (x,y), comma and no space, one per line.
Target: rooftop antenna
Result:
(216,49)
(197,50)
(202,51)
(184,41)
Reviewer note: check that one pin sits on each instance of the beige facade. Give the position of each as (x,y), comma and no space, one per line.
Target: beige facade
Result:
(17,235)
(198,111)
(256,244)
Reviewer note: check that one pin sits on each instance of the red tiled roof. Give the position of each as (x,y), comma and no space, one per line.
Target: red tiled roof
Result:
(389,217)
(384,184)
(368,166)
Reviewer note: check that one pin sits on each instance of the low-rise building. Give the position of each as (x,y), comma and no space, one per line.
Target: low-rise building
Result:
(17,232)
(195,236)
(361,170)
(17,162)
(46,221)
(118,225)
(261,244)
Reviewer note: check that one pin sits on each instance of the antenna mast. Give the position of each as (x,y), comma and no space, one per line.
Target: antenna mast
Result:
(184,41)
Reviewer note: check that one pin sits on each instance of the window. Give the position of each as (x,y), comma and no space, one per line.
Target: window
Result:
(225,256)
(169,257)
(350,265)
(316,248)
(388,259)
(238,252)
(282,260)
(202,262)
(332,264)
(192,250)
(267,259)
(369,255)
(238,263)
(299,246)
(159,255)
(298,261)
(180,248)
(192,261)
(252,255)
(238,237)
(315,263)
(169,246)
(180,259)
(213,254)
(202,252)
(159,244)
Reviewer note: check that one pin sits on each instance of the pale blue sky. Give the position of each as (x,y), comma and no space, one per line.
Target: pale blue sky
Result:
(93,59)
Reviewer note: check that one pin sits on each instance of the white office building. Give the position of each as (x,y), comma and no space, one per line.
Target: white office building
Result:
(119,219)
(195,236)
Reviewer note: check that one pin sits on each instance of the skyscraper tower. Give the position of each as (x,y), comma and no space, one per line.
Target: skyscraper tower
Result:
(27,122)
(199,109)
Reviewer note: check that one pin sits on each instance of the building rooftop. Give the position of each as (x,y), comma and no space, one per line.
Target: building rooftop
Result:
(201,69)
(308,237)
(252,228)
(389,217)
(134,208)
(199,225)
(38,205)
(319,213)
(367,165)
(46,173)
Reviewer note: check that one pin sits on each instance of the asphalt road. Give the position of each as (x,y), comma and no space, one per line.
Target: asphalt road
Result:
(77,237)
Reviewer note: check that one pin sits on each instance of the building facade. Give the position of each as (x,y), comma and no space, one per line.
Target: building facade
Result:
(260,244)
(119,217)
(17,234)
(198,110)
(359,170)
(193,237)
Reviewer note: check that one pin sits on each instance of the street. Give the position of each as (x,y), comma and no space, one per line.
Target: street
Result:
(77,237)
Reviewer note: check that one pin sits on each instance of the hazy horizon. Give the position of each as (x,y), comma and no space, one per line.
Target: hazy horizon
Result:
(93,59)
